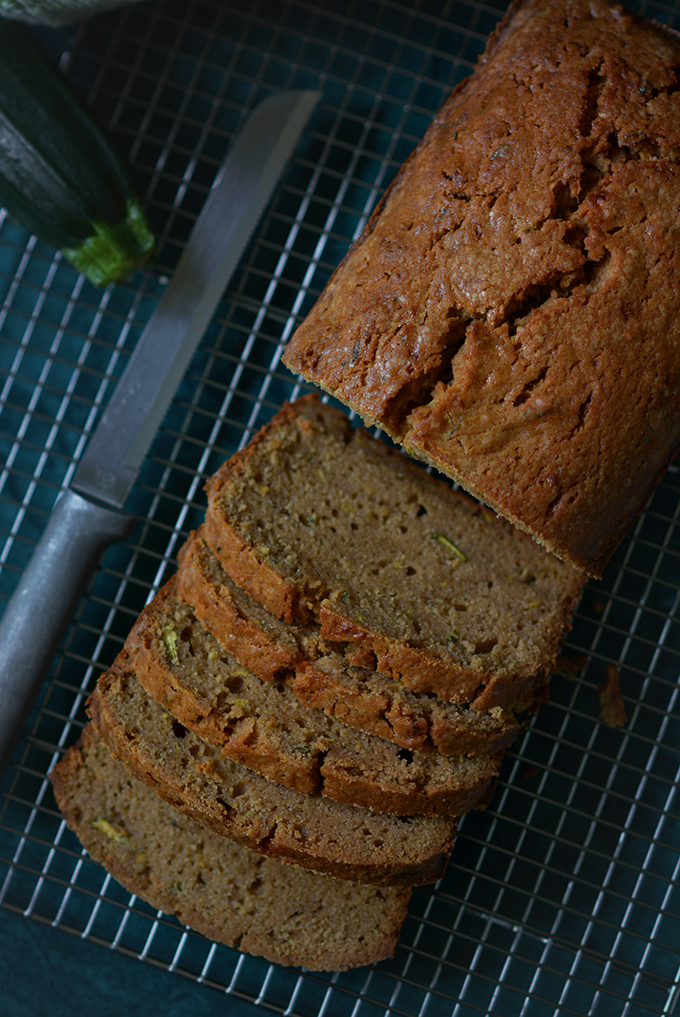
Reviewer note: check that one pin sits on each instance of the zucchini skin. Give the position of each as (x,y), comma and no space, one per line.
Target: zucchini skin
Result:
(59,176)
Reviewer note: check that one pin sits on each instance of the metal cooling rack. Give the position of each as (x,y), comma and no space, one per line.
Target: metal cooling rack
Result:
(563,897)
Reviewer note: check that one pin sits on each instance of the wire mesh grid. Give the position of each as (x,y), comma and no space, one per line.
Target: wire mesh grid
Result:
(563,896)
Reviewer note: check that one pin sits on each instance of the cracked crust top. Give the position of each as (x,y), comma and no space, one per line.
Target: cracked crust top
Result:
(510,313)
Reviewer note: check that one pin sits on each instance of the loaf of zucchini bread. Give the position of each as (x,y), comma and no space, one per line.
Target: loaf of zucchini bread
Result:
(511,313)
(327,683)
(255,739)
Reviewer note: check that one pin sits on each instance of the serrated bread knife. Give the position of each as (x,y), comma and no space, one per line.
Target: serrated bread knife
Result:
(88,516)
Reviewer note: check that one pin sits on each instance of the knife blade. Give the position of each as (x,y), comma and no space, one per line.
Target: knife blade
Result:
(88,516)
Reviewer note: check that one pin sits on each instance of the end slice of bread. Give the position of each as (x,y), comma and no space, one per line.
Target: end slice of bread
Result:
(231,895)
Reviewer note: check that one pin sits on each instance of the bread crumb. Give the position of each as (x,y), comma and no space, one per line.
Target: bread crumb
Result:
(362,656)
(570,666)
(612,708)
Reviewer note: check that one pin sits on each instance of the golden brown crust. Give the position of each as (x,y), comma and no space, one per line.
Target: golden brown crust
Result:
(348,784)
(510,314)
(215,607)
(320,689)
(418,670)
(422,673)
(248,569)
(240,736)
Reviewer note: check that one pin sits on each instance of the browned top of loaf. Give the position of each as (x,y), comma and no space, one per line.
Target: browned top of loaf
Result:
(318,519)
(330,676)
(312,831)
(511,312)
(230,894)
(264,727)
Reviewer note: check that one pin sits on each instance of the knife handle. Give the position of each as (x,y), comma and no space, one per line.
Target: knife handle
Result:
(41,607)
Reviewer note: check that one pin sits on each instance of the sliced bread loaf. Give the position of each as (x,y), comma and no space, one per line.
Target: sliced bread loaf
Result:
(322,673)
(308,830)
(318,520)
(221,889)
(263,726)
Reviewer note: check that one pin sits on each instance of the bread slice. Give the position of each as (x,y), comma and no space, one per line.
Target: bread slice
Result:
(230,894)
(317,520)
(322,674)
(263,726)
(511,312)
(308,830)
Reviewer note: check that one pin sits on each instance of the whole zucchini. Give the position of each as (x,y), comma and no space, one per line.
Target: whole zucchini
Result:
(59,176)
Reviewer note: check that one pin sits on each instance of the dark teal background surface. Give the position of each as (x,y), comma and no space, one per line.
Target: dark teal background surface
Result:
(47,972)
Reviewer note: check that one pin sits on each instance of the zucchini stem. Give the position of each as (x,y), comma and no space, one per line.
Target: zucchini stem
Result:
(115,251)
